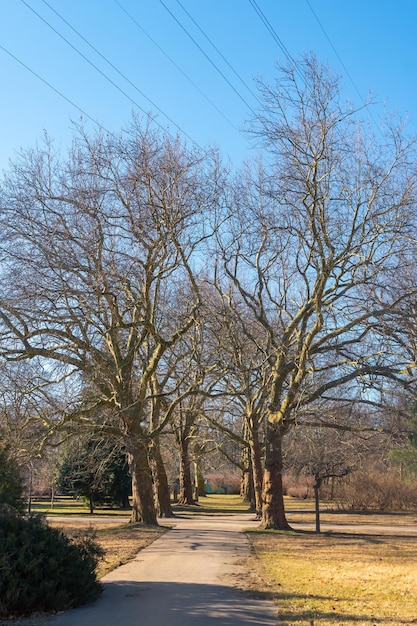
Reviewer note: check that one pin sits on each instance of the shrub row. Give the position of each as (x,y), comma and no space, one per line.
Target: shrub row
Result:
(42,570)
(365,489)
(375,490)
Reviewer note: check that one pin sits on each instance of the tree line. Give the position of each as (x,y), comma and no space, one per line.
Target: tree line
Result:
(146,287)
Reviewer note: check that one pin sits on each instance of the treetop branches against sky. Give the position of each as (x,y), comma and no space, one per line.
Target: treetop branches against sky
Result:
(192,65)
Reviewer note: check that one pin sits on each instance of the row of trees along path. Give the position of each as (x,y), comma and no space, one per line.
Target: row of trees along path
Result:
(143,283)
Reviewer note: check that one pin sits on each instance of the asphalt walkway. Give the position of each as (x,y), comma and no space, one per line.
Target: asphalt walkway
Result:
(187,577)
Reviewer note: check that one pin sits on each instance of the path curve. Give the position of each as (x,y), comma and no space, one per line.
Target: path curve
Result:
(187,577)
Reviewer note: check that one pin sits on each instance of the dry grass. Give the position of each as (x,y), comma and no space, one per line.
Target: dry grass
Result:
(345,577)
(338,579)
(121,543)
(342,518)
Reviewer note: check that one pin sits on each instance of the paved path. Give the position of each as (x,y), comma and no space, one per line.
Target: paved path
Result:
(187,577)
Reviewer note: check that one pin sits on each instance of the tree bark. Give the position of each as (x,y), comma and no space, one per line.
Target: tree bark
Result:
(256,462)
(316,488)
(200,483)
(247,490)
(273,512)
(160,481)
(186,487)
(143,507)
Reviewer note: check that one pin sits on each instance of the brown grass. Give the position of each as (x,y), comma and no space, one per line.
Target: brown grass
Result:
(121,542)
(338,579)
(347,577)
(353,519)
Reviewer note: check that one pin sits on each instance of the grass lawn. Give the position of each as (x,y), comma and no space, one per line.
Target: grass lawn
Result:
(213,504)
(339,578)
(349,576)
(66,505)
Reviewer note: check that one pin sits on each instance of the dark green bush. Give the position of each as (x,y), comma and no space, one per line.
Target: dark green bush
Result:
(11,485)
(42,570)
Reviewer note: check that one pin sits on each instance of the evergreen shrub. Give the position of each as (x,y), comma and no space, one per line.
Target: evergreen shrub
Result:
(42,570)
(11,484)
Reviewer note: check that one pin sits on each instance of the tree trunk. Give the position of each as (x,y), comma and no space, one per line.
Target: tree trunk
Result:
(273,512)
(160,481)
(30,489)
(200,483)
(52,496)
(332,481)
(143,507)
(256,462)
(316,488)
(186,487)
(247,490)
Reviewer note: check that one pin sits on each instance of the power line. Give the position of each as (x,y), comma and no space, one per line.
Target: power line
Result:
(275,37)
(208,58)
(130,16)
(71,102)
(341,61)
(115,85)
(219,52)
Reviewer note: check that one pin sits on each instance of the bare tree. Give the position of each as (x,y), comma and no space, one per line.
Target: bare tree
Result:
(159,474)
(242,348)
(96,249)
(330,452)
(311,244)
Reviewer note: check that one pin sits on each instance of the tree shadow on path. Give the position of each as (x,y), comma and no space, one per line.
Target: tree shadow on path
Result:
(171,604)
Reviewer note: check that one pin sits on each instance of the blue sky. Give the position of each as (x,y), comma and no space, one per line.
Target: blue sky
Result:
(157,65)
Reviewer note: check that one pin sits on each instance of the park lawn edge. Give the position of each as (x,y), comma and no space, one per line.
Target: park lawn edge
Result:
(334,578)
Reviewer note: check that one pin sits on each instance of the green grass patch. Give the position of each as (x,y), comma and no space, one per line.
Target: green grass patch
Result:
(213,504)
(66,505)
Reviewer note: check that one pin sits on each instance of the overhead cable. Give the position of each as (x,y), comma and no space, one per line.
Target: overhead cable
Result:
(276,38)
(71,102)
(244,83)
(341,61)
(208,58)
(115,85)
(130,16)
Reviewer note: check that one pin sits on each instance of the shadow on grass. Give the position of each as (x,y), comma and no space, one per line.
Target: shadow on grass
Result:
(356,516)
(374,538)
(368,513)
(193,604)
(200,509)
(73,508)
(316,617)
